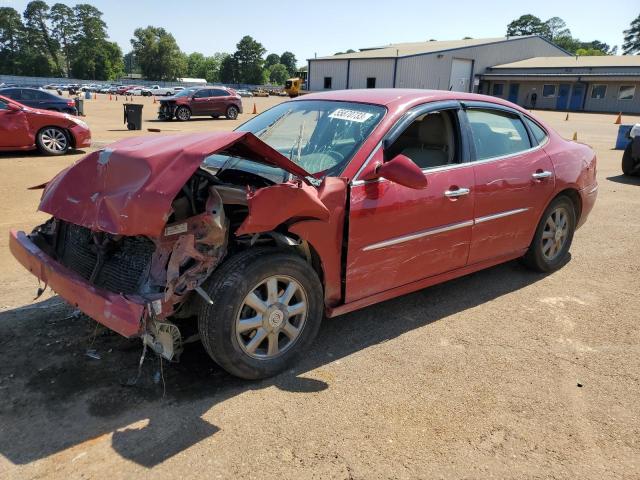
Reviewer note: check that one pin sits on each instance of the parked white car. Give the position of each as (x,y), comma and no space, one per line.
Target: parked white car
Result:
(157,90)
(138,91)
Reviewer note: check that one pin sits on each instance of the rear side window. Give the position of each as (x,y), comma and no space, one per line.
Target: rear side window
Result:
(29,94)
(219,93)
(497,134)
(539,134)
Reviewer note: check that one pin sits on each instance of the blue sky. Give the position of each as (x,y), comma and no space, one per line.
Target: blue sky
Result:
(327,26)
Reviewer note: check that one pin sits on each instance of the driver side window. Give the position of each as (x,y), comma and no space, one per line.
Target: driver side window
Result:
(431,141)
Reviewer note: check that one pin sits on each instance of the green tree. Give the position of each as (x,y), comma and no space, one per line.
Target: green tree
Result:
(631,45)
(131,64)
(249,62)
(158,54)
(11,41)
(272,59)
(557,28)
(64,29)
(589,52)
(94,56)
(195,65)
(278,74)
(38,36)
(229,70)
(288,59)
(528,25)
(211,67)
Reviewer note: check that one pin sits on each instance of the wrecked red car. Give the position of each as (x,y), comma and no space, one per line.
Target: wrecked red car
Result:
(321,205)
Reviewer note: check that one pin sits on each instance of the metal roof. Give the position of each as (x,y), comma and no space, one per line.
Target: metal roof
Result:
(602,61)
(417,48)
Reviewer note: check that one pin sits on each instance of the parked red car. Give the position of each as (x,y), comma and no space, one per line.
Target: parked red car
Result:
(323,204)
(53,133)
(201,101)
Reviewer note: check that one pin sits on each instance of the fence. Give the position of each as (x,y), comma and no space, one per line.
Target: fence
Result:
(41,81)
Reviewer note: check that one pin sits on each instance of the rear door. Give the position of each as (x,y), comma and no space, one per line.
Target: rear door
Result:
(14,128)
(514,181)
(219,101)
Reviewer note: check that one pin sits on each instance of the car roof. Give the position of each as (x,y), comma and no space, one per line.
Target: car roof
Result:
(393,98)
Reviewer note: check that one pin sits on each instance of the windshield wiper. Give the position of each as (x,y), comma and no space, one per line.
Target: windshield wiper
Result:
(266,130)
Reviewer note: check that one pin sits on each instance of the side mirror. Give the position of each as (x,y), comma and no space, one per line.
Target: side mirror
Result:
(401,170)
(12,107)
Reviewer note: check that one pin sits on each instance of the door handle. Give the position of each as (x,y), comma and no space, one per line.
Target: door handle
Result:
(460,192)
(541,175)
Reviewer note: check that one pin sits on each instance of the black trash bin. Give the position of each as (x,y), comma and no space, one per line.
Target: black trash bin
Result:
(79,106)
(133,116)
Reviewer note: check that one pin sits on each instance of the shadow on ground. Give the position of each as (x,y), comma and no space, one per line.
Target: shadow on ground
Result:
(56,397)
(625,179)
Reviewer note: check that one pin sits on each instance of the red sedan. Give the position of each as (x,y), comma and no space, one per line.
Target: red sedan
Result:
(320,205)
(53,133)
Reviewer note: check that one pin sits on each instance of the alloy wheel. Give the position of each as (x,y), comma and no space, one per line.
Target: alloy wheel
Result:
(54,140)
(555,233)
(271,317)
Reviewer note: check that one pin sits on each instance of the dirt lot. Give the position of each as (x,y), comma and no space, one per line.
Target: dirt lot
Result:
(501,374)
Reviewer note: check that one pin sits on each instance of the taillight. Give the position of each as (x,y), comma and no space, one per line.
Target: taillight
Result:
(71,103)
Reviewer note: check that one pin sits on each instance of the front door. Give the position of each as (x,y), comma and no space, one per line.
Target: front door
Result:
(563,96)
(577,97)
(200,102)
(513,183)
(398,235)
(514,89)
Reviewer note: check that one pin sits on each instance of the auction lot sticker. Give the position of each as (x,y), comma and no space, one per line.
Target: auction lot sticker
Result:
(350,115)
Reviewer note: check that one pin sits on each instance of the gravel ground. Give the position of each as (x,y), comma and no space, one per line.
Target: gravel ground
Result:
(500,374)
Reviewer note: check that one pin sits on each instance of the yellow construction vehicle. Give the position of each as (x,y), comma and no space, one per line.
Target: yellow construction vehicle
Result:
(293,87)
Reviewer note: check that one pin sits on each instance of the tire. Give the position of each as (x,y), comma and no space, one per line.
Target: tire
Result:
(168,94)
(232,112)
(548,250)
(629,164)
(229,288)
(53,141)
(183,114)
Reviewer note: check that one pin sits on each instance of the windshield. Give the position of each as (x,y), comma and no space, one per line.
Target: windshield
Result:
(186,92)
(320,136)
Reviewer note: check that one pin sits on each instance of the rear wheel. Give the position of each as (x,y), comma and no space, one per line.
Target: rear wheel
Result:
(629,164)
(232,112)
(53,141)
(183,114)
(553,237)
(266,311)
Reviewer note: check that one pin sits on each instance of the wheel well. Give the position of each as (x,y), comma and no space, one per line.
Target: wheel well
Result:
(72,141)
(574,196)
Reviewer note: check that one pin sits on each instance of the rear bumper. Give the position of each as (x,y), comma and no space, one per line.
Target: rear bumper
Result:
(117,312)
(588,197)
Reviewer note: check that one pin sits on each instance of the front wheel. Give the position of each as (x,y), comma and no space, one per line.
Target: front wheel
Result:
(266,312)
(183,114)
(232,112)
(553,236)
(52,141)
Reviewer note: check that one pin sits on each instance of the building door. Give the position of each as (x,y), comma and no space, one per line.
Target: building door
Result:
(461,71)
(563,96)
(514,88)
(577,96)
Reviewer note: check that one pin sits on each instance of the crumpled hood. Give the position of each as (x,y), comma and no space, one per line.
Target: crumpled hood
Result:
(128,187)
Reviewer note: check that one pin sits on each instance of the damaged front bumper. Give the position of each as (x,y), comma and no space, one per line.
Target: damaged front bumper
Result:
(123,314)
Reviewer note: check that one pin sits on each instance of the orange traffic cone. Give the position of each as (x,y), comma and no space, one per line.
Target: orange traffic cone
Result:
(255,110)
(619,119)
(109,97)
(95,96)
(154,99)
(116,98)
(575,136)
(566,118)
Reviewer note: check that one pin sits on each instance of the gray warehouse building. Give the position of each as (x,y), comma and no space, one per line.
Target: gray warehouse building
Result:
(594,84)
(520,69)
(440,65)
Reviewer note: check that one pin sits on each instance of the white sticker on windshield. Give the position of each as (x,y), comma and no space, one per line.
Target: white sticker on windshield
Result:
(351,115)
